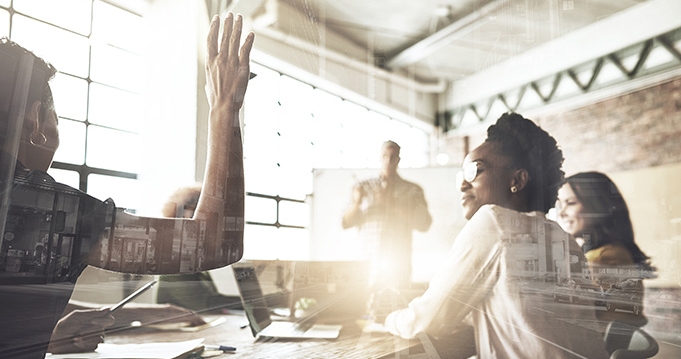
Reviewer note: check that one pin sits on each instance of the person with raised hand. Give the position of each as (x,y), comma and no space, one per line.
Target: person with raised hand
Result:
(221,208)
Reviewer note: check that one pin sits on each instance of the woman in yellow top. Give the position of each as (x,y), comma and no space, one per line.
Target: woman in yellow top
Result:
(591,209)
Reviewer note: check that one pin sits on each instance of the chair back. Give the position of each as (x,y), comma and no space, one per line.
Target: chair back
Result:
(623,341)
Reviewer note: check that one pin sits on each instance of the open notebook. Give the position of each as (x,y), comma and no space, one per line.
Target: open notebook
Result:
(258,313)
(173,350)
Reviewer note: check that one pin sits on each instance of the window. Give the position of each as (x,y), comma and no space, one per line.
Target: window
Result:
(98,62)
(291,128)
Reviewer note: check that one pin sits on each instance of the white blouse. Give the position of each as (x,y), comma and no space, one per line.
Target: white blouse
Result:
(482,278)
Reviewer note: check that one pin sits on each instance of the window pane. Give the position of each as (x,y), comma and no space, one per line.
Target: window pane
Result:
(70,14)
(262,210)
(328,145)
(290,129)
(116,67)
(260,165)
(70,178)
(70,96)
(294,213)
(68,52)
(294,182)
(107,29)
(375,126)
(4,23)
(355,144)
(294,94)
(416,141)
(325,130)
(259,177)
(115,108)
(71,142)
(261,242)
(112,149)
(125,192)
(266,86)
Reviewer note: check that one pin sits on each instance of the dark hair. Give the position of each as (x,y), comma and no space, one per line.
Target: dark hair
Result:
(607,212)
(14,49)
(536,151)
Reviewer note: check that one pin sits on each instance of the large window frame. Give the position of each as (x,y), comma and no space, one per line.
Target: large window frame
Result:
(299,118)
(94,61)
(292,128)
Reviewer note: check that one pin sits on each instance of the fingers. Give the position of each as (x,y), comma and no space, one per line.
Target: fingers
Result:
(235,38)
(227,30)
(244,56)
(106,320)
(212,45)
(89,341)
(228,65)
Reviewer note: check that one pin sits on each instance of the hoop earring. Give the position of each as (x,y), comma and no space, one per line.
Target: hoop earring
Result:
(41,142)
(514,189)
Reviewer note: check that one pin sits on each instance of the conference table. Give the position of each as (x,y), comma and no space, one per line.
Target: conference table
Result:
(232,330)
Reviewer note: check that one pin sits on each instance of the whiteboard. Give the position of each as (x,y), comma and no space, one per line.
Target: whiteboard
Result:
(332,189)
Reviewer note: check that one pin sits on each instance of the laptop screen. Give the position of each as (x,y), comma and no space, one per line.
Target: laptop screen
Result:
(332,290)
(254,303)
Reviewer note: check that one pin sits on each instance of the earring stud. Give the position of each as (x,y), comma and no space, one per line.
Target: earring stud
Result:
(514,189)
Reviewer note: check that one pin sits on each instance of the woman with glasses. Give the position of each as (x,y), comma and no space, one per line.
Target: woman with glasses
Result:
(509,182)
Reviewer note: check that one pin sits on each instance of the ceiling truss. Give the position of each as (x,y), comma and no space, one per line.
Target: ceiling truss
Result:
(656,55)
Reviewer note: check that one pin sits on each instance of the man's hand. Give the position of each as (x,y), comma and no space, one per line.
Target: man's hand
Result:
(358,195)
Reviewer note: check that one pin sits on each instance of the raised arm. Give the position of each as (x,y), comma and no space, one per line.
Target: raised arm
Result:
(213,238)
(353,214)
(421,218)
(227,73)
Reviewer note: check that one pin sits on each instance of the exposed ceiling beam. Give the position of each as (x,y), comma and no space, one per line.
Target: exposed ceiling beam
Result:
(628,27)
(456,30)
(244,7)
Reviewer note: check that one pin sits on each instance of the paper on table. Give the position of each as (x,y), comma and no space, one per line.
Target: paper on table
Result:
(186,326)
(156,350)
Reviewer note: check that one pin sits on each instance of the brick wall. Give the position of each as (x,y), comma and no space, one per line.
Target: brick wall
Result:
(637,130)
(633,131)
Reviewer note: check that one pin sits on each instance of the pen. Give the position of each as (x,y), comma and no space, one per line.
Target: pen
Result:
(132,296)
(224,348)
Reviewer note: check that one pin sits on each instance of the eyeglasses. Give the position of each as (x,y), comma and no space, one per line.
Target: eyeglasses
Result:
(468,172)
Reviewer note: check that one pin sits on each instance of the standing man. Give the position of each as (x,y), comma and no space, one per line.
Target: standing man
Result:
(386,210)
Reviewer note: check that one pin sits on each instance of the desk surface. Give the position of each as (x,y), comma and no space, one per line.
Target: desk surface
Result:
(352,342)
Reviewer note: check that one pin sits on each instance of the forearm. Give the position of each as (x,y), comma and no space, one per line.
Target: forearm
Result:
(227,74)
(352,216)
(422,218)
(223,186)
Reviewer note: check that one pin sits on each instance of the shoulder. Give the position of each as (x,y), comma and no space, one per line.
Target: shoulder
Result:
(610,254)
(408,184)
(509,220)
(409,187)
(488,218)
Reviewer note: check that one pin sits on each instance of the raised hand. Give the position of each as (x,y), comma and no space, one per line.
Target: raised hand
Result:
(222,194)
(227,66)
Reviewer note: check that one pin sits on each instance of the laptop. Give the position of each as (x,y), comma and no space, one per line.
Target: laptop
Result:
(258,313)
